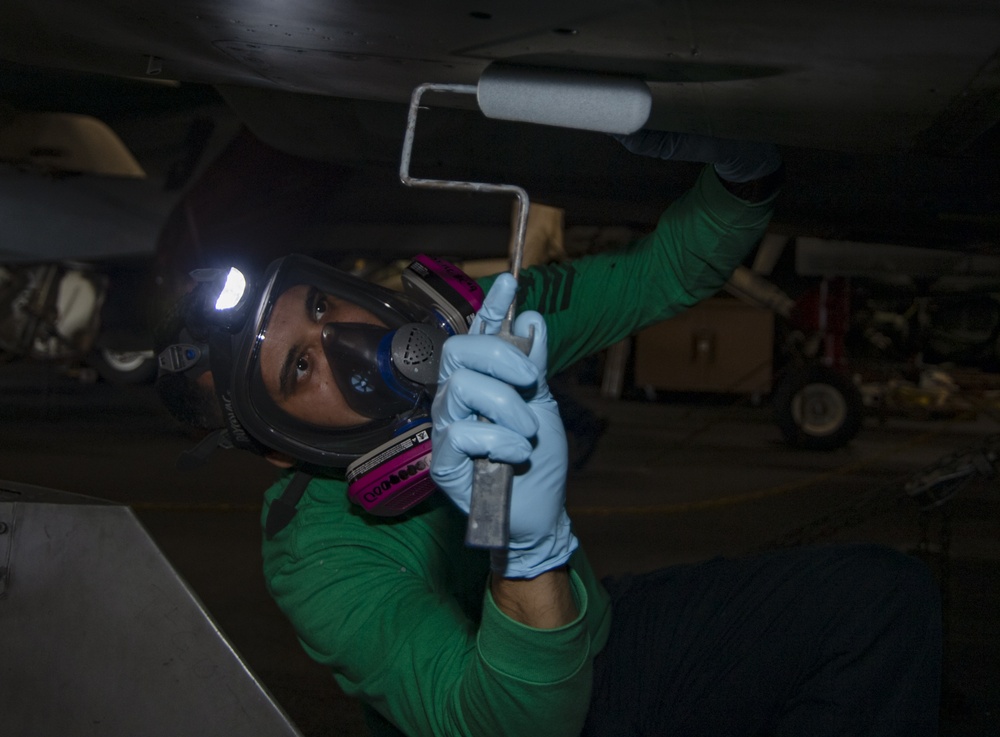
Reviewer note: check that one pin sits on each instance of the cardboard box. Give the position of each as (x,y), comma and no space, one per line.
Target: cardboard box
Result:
(719,345)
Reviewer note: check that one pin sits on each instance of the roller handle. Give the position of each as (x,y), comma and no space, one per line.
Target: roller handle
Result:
(489,507)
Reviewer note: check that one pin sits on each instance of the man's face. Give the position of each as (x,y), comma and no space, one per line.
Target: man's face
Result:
(293,365)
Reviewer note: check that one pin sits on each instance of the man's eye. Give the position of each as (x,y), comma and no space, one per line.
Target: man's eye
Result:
(301,368)
(319,308)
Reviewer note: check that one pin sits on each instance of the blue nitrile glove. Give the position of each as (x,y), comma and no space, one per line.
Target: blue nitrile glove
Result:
(734,161)
(481,374)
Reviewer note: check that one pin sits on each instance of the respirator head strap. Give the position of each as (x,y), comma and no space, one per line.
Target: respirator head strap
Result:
(283,509)
(235,434)
(184,357)
(194,457)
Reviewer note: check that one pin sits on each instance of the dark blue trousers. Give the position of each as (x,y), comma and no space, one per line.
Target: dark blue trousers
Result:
(839,640)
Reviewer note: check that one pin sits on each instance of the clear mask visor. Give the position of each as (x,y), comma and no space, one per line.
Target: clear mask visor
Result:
(321,350)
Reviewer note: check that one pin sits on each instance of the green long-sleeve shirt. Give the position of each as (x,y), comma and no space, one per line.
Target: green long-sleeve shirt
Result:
(399,608)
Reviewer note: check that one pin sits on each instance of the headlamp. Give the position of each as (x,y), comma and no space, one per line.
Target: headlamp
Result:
(228,297)
(234,289)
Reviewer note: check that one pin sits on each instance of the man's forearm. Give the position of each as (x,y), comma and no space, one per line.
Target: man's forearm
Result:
(543,602)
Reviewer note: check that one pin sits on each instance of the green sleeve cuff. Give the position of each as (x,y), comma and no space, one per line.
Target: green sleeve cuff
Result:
(534,655)
(724,204)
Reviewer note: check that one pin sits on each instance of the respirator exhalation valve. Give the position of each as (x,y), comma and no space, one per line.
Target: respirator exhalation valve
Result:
(416,352)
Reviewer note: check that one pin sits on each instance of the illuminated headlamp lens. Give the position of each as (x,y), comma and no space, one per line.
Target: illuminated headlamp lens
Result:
(233,290)
(227,297)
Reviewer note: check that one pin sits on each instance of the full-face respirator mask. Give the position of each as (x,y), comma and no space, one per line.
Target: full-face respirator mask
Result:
(329,369)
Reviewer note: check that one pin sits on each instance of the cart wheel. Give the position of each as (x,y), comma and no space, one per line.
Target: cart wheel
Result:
(124,366)
(817,408)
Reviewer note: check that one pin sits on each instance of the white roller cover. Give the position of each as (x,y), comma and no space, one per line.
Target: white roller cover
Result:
(580,100)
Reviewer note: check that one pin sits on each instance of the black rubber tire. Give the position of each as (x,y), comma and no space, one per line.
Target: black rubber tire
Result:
(124,367)
(817,409)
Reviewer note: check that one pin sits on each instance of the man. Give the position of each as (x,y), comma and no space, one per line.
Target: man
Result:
(438,638)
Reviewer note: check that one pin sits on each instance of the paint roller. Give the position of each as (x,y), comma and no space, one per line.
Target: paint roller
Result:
(554,97)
